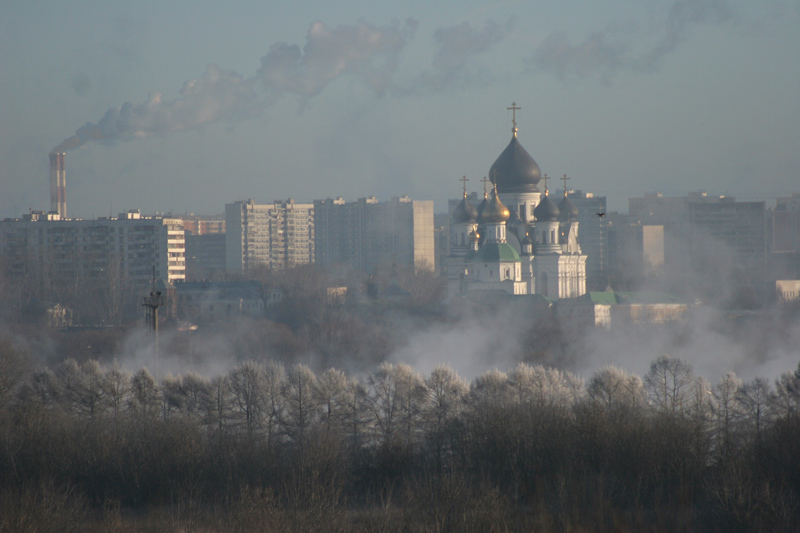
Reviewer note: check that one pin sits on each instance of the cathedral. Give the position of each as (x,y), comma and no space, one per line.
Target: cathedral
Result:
(517,240)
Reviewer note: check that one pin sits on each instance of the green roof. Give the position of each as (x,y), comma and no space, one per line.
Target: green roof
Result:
(643,298)
(649,297)
(603,298)
(493,252)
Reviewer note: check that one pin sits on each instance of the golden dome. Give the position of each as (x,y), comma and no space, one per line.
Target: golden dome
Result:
(495,211)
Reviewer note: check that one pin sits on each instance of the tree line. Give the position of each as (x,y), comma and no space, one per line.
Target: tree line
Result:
(269,448)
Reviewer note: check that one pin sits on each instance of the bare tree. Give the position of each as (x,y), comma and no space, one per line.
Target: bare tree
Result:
(301,407)
(395,396)
(446,394)
(145,399)
(13,369)
(754,399)
(219,404)
(726,412)
(669,383)
(489,393)
(116,386)
(332,394)
(248,389)
(539,386)
(617,390)
(786,401)
(81,387)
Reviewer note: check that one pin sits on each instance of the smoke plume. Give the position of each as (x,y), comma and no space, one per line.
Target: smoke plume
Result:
(604,53)
(367,52)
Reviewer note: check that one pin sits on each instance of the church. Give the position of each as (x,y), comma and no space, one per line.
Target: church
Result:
(517,240)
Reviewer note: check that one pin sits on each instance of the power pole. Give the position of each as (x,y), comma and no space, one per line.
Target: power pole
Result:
(151,304)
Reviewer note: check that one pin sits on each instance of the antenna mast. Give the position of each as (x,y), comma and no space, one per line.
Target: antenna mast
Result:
(151,304)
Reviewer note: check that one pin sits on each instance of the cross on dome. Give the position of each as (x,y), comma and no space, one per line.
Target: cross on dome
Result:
(464,180)
(514,110)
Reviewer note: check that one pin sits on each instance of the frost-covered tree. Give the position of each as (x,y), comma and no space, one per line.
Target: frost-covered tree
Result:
(145,398)
(395,395)
(248,391)
(725,412)
(116,386)
(670,384)
(616,390)
(301,405)
(538,386)
(754,399)
(786,401)
(332,393)
(80,388)
(489,392)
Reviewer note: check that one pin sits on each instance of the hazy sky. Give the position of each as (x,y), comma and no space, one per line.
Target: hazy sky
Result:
(188,105)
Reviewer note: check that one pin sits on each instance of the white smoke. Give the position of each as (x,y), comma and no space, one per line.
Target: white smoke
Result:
(456,48)
(214,96)
(367,52)
(603,53)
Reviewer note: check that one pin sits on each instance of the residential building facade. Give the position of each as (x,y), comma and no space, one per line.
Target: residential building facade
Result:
(278,235)
(367,234)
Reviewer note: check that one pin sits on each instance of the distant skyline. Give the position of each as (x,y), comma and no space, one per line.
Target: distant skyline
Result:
(186,106)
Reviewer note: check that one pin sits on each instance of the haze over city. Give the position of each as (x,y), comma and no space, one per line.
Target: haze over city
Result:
(187,106)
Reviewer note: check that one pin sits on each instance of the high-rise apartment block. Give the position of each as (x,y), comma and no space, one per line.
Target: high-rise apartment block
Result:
(205,246)
(46,249)
(367,234)
(594,236)
(698,225)
(278,235)
(786,224)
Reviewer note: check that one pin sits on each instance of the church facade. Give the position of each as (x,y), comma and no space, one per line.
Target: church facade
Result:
(517,240)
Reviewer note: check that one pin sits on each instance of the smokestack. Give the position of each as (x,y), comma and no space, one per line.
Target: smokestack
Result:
(58,184)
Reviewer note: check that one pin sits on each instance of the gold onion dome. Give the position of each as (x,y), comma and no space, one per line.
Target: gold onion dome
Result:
(495,211)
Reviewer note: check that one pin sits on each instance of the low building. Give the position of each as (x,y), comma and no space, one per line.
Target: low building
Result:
(787,290)
(607,308)
(219,301)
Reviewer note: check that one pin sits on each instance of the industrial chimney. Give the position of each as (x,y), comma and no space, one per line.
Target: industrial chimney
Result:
(58,184)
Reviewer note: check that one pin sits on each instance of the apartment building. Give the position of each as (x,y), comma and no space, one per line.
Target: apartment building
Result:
(278,235)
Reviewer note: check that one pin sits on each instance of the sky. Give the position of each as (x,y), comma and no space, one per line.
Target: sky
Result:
(184,106)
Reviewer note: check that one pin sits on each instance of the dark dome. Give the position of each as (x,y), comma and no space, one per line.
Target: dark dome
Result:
(546,211)
(481,207)
(568,210)
(513,223)
(515,170)
(464,212)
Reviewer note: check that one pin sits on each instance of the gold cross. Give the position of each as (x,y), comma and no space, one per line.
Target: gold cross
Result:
(564,179)
(514,110)
(485,181)
(464,180)
(545,178)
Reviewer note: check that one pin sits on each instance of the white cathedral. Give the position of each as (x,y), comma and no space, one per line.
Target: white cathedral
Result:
(516,240)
